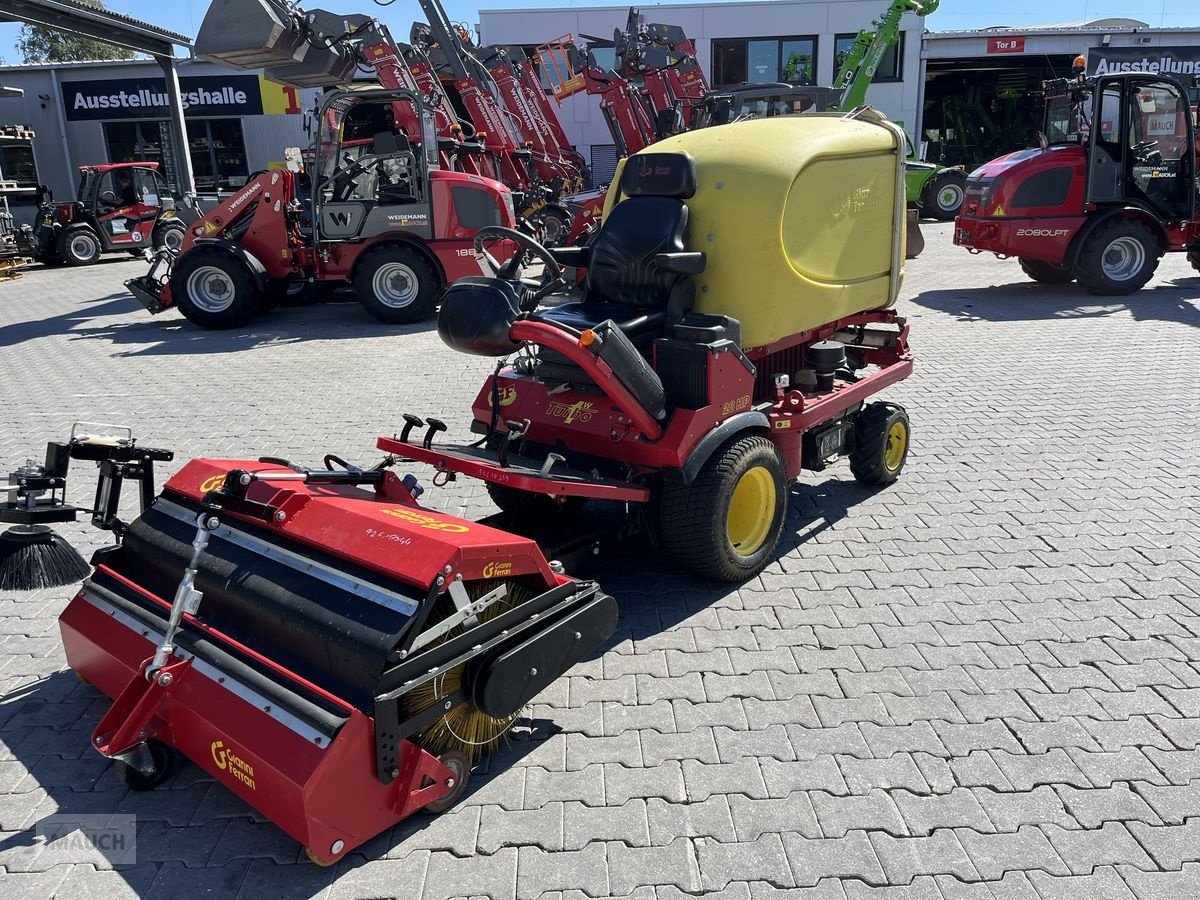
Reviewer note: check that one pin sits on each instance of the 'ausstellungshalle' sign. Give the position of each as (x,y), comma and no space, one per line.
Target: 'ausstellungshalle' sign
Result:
(1166,60)
(146,98)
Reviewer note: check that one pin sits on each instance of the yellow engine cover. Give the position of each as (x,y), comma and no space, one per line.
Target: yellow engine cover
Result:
(802,219)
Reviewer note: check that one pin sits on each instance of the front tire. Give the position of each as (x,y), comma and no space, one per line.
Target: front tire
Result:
(397,285)
(943,196)
(881,439)
(213,289)
(80,246)
(1047,273)
(169,235)
(1118,258)
(726,524)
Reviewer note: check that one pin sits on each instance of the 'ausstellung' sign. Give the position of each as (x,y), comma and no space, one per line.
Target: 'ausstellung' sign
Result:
(1158,60)
(146,98)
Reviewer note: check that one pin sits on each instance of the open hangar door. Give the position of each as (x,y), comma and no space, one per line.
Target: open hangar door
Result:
(978,108)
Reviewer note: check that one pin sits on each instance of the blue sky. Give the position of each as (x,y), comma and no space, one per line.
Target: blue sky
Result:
(185,16)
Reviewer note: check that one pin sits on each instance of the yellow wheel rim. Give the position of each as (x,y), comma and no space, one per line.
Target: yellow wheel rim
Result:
(751,511)
(897,446)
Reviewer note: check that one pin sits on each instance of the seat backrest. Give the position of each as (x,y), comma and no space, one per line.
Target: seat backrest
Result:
(652,219)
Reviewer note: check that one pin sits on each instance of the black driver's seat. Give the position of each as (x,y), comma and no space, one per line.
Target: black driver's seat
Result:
(638,267)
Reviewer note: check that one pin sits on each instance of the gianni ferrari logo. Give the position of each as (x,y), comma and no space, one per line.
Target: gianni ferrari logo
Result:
(212,484)
(580,411)
(497,569)
(425,521)
(228,761)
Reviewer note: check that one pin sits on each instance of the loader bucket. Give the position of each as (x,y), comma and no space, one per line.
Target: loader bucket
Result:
(335,629)
(248,34)
(319,68)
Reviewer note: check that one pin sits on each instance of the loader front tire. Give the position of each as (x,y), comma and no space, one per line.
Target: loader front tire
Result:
(1118,258)
(881,439)
(80,246)
(397,285)
(213,289)
(726,524)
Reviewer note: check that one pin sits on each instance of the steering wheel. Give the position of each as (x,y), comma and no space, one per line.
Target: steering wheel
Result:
(511,270)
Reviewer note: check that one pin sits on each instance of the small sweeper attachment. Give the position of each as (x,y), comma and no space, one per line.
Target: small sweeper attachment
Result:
(333,653)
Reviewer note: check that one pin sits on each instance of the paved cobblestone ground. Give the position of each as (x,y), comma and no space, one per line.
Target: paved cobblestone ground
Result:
(981,682)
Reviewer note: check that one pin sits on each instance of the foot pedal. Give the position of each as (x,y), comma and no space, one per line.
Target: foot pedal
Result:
(516,431)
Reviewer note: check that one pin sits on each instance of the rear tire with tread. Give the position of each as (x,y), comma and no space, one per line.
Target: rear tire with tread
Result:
(875,460)
(169,234)
(693,519)
(936,198)
(397,285)
(201,264)
(1047,273)
(1117,235)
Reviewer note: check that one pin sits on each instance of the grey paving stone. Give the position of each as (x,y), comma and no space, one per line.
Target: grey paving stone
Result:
(538,871)
(887,740)
(1024,772)
(1092,808)
(672,864)
(497,828)
(761,860)
(584,824)
(741,777)
(1102,884)
(84,882)
(898,771)
(844,740)
(1008,811)
(730,713)
(244,839)
(697,745)
(771,741)
(875,811)
(175,880)
(622,784)
(753,818)
(1025,849)
(962,739)
(617,718)
(710,819)
(1163,885)
(785,778)
(303,881)
(1170,846)
(584,750)
(923,888)
(923,814)
(851,856)
(1173,803)
(906,858)
(1110,845)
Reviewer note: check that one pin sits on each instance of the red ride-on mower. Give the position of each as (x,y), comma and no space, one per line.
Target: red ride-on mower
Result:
(725,341)
(124,206)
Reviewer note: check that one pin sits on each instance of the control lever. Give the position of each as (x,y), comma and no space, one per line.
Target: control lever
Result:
(410,422)
(552,459)
(516,431)
(435,425)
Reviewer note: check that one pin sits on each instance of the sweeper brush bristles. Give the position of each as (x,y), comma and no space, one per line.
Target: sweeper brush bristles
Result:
(464,728)
(34,557)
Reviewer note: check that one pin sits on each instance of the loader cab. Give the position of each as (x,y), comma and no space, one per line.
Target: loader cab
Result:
(1139,137)
(372,166)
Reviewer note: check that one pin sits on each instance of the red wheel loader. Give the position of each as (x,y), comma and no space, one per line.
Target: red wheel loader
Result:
(336,653)
(376,213)
(1111,187)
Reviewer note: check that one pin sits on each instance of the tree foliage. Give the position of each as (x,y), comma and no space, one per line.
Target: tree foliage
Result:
(48,45)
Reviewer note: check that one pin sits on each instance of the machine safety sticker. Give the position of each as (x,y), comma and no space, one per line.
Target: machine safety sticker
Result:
(228,761)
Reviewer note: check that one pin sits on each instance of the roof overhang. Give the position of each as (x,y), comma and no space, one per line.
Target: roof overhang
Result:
(100,24)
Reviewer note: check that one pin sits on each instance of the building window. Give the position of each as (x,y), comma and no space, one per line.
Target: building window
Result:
(218,154)
(765,60)
(17,164)
(891,66)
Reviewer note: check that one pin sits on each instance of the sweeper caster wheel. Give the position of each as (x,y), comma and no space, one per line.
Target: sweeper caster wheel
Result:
(726,523)
(460,766)
(528,506)
(319,860)
(163,759)
(881,437)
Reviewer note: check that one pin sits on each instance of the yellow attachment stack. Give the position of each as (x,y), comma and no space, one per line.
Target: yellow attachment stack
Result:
(802,219)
